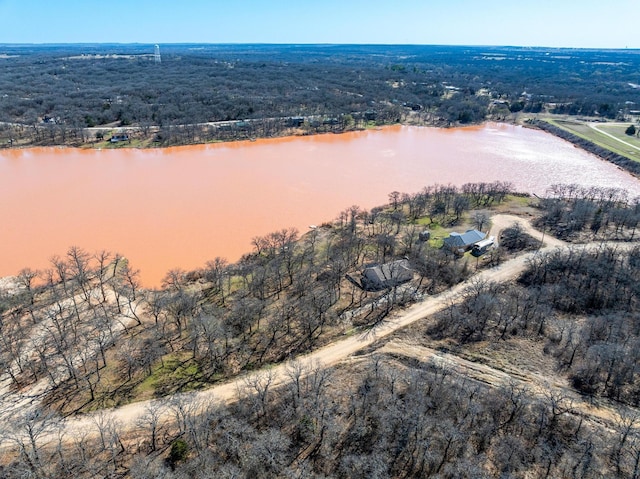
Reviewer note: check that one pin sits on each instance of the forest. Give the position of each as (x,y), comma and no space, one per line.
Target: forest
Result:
(85,337)
(51,94)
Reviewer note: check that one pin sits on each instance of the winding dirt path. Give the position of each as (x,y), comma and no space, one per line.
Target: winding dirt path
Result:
(500,222)
(535,383)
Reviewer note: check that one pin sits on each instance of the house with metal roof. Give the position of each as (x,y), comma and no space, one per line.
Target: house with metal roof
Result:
(463,241)
(387,275)
(119,137)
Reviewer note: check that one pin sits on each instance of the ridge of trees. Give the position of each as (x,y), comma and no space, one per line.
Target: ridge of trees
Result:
(286,297)
(583,303)
(574,213)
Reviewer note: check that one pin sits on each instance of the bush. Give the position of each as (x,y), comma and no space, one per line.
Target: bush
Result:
(515,239)
(179,452)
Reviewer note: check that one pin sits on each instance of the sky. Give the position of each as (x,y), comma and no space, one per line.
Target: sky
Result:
(550,23)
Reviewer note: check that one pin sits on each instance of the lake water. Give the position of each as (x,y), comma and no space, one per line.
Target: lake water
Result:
(179,207)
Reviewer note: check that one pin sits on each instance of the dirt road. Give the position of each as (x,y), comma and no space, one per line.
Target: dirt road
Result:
(536,383)
(500,222)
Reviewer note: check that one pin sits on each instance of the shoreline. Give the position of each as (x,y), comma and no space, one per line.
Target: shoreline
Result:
(630,166)
(621,162)
(145,140)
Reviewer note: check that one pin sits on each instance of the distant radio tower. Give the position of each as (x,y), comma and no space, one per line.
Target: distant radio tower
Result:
(156,55)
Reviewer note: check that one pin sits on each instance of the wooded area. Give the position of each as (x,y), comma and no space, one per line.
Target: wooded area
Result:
(89,337)
(51,94)
(286,297)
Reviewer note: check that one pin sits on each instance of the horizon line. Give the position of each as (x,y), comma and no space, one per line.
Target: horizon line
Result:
(328,44)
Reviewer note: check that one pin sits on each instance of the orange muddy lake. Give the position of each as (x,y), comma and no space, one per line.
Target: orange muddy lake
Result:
(180,207)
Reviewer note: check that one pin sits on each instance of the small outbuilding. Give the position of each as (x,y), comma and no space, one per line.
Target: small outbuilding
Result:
(387,275)
(330,121)
(295,121)
(424,236)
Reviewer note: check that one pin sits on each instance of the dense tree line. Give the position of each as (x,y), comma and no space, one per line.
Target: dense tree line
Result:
(77,86)
(582,301)
(573,212)
(381,418)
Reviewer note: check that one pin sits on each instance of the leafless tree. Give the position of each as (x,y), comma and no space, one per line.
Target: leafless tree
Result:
(30,432)
(151,421)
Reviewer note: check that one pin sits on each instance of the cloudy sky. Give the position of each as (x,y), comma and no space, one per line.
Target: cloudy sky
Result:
(554,23)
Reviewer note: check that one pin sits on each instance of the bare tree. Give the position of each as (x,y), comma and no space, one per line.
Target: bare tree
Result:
(480,220)
(151,421)
(30,432)
(26,278)
(254,393)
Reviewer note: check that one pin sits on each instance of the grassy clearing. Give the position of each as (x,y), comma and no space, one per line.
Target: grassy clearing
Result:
(173,374)
(599,138)
(512,200)
(438,234)
(133,143)
(618,130)
(424,221)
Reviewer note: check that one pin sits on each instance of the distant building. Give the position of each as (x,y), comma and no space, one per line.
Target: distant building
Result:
(119,137)
(387,275)
(461,242)
(295,121)
(413,106)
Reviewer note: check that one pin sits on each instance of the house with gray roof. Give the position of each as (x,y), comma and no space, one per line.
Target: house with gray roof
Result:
(387,275)
(461,242)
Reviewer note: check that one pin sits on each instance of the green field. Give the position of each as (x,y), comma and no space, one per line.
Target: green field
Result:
(621,144)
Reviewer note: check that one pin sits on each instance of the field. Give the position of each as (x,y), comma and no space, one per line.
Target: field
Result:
(607,135)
